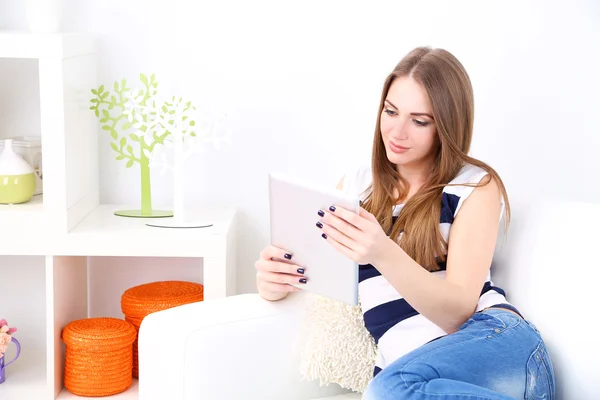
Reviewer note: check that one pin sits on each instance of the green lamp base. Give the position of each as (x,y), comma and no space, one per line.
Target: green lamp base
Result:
(139,214)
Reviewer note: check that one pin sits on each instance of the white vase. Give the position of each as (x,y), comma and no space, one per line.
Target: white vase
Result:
(44,16)
(17,177)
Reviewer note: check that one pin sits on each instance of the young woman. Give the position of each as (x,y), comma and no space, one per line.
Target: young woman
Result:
(425,239)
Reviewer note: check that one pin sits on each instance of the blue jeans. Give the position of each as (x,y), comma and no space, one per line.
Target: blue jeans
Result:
(495,355)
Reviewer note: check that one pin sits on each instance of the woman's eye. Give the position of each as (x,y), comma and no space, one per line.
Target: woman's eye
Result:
(390,112)
(420,123)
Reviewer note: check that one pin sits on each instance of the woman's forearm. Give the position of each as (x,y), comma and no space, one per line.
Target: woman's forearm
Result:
(445,304)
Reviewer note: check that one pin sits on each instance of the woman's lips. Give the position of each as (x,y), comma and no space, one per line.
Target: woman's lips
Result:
(398,149)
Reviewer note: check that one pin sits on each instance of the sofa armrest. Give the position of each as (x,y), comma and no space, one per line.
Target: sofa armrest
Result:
(238,347)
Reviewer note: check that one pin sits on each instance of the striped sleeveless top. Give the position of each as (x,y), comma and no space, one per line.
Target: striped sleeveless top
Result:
(397,327)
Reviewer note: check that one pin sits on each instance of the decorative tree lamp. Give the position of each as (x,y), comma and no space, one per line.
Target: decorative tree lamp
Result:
(121,113)
(185,139)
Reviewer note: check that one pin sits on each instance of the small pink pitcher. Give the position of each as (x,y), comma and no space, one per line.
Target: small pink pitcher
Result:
(2,366)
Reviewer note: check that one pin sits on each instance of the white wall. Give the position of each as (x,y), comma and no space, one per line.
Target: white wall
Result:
(301,82)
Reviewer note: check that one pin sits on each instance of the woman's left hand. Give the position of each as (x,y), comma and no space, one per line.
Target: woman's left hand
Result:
(358,236)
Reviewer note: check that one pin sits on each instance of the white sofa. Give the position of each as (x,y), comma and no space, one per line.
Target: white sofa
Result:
(244,347)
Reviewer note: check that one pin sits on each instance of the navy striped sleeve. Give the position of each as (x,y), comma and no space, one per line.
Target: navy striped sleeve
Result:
(449,205)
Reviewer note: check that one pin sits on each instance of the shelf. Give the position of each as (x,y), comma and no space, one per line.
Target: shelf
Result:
(23,227)
(18,44)
(42,93)
(104,234)
(36,204)
(129,394)
(24,383)
(48,292)
(30,229)
(63,256)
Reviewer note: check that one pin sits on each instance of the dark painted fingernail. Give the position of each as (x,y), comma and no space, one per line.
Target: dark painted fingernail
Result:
(332,208)
(320,225)
(321,213)
(324,236)
(300,270)
(288,256)
(303,280)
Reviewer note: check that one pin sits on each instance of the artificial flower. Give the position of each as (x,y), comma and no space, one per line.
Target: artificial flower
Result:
(5,339)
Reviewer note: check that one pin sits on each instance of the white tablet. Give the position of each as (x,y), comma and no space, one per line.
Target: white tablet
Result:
(293,217)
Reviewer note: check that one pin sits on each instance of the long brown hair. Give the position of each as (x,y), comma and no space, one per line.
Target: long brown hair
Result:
(451,95)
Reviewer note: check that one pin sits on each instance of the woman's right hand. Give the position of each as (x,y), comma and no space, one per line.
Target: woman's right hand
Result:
(275,272)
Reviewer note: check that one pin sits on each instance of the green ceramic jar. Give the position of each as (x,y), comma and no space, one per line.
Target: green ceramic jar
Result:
(17,177)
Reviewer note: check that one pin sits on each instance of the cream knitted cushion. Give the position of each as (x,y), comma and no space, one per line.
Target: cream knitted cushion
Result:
(337,346)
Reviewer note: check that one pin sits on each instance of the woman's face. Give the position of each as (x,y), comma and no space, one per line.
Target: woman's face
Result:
(407,126)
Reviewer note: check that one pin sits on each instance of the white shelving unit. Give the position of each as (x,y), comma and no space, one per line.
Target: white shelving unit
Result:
(64,256)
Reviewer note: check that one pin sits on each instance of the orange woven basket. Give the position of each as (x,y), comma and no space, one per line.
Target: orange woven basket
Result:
(139,301)
(99,356)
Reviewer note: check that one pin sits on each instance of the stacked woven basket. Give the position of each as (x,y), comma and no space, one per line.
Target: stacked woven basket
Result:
(139,301)
(101,353)
(99,356)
